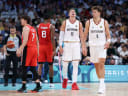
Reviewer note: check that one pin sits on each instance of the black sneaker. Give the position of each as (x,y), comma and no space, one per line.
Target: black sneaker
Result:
(37,89)
(22,90)
(5,84)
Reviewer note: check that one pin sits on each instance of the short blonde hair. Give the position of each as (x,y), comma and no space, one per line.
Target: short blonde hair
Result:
(98,8)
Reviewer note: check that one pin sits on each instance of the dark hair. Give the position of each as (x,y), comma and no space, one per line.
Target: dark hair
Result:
(27,18)
(98,8)
(12,27)
(46,17)
(1,35)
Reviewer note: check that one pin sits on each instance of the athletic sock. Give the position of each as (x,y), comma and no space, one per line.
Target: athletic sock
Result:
(24,85)
(75,71)
(65,69)
(37,84)
(101,80)
(51,79)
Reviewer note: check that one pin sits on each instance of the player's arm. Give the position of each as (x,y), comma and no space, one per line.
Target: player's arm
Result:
(25,35)
(61,37)
(52,29)
(87,24)
(37,40)
(86,30)
(107,34)
(82,38)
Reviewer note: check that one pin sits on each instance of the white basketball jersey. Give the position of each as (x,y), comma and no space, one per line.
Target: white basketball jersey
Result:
(97,36)
(71,31)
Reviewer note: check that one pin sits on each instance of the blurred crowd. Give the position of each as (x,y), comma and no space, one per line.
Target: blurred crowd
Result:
(115,11)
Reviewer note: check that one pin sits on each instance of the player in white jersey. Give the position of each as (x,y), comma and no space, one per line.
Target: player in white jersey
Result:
(71,33)
(99,41)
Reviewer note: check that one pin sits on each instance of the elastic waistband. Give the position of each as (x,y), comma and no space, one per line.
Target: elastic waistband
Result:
(71,41)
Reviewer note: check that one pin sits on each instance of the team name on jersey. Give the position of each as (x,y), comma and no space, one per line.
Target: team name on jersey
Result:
(96,31)
(72,29)
(44,27)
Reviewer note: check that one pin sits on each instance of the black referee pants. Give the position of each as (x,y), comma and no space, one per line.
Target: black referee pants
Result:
(14,59)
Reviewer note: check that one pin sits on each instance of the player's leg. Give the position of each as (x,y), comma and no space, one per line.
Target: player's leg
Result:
(24,70)
(36,79)
(65,73)
(24,79)
(76,58)
(40,66)
(51,74)
(101,75)
(7,66)
(67,57)
(50,64)
(41,60)
(74,75)
(34,71)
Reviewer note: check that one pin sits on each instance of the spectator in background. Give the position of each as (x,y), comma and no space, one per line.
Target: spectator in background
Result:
(124,54)
(124,39)
(114,39)
(1,40)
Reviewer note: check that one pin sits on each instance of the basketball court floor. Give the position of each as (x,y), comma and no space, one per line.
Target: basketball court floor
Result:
(86,89)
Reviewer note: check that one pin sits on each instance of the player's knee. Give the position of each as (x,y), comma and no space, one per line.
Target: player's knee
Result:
(102,60)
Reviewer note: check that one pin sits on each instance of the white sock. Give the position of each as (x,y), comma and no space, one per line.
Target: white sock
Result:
(75,71)
(65,69)
(102,81)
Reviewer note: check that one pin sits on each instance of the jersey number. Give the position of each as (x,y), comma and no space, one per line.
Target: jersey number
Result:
(43,34)
(97,36)
(33,36)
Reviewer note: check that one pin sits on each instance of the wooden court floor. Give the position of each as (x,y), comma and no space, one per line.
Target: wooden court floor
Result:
(113,89)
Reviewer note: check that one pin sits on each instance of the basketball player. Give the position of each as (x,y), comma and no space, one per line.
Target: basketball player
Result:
(30,52)
(71,33)
(46,46)
(99,41)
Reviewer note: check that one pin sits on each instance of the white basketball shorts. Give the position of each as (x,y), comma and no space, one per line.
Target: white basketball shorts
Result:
(97,52)
(71,52)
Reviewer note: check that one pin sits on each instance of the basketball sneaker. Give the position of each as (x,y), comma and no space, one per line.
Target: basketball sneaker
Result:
(75,86)
(35,90)
(22,90)
(102,88)
(64,84)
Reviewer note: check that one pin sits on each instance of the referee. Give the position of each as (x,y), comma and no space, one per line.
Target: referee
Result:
(11,55)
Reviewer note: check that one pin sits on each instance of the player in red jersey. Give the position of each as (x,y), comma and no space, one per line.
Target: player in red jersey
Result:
(29,47)
(46,46)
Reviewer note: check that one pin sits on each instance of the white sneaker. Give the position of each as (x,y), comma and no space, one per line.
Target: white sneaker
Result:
(45,81)
(102,89)
(51,85)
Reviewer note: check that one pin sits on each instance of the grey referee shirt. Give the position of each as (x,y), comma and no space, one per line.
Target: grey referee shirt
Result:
(16,39)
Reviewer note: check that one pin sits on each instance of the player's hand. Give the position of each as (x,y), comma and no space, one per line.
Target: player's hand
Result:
(61,50)
(107,44)
(84,51)
(18,52)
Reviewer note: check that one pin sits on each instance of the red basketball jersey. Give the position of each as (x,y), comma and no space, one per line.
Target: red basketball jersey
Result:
(44,33)
(32,37)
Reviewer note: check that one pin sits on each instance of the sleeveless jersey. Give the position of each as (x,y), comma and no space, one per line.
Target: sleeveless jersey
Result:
(44,33)
(32,38)
(97,35)
(71,31)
